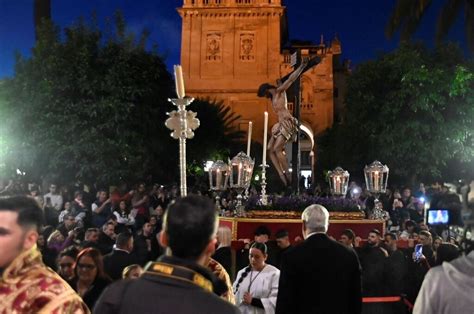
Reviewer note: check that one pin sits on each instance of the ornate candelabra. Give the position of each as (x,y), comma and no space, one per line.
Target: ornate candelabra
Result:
(338,181)
(218,179)
(241,169)
(183,123)
(376,178)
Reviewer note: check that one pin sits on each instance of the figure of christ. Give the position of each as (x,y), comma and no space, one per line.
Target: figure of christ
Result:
(287,126)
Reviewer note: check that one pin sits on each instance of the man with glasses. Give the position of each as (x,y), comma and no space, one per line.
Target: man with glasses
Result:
(26,284)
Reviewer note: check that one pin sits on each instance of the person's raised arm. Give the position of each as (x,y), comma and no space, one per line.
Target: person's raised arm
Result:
(293,76)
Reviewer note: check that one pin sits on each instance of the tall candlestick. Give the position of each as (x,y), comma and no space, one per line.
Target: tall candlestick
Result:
(376,180)
(265,130)
(249,138)
(218,179)
(178,76)
(239,180)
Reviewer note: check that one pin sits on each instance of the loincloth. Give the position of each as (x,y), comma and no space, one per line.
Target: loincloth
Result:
(288,128)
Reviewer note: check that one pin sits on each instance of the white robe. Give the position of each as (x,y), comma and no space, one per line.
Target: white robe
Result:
(264,287)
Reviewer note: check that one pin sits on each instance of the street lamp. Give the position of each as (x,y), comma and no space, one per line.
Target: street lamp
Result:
(376,178)
(241,170)
(338,181)
(218,179)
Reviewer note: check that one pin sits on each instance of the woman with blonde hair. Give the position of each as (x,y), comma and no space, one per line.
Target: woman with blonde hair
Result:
(56,242)
(132,271)
(223,252)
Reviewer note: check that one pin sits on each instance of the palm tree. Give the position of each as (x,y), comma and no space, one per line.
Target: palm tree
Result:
(407,15)
(217,135)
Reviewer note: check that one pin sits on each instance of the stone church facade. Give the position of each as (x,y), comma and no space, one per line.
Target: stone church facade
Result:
(230,47)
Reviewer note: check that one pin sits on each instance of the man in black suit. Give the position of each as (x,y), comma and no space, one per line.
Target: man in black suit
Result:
(120,257)
(319,271)
(107,238)
(284,245)
(178,282)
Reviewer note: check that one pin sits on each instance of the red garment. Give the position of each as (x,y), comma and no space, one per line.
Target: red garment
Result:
(28,286)
(117,198)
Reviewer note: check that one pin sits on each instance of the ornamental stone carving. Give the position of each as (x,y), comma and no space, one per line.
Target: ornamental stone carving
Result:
(213,47)
(247,47)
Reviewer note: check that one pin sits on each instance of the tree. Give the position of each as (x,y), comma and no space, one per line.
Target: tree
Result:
(5,145)
(412,109)
(85,108)
(217,131)
(42,13)
(91,105)
(407,15)
(216,138)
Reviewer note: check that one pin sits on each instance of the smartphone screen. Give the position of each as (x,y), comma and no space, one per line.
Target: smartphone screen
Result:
(418,251)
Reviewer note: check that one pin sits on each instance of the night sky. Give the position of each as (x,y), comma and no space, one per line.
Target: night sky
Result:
(358,24)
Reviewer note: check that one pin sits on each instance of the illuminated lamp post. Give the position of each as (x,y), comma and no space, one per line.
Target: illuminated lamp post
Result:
(218,179)
(338,181)
(376,178)
(241,170)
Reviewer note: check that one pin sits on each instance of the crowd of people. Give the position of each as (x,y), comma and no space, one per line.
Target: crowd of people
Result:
(149,237)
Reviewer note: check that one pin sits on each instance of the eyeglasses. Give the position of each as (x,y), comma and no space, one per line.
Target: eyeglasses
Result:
(65,265)
(86,266)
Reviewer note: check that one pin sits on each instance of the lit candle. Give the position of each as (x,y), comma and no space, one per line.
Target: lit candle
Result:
(376,180)
(338,185)
(249,138)
(235,174)
(178,76)
(265,130)
(218,179)
(240,175)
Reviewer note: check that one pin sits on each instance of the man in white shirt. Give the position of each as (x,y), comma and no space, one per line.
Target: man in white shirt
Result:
(53,198)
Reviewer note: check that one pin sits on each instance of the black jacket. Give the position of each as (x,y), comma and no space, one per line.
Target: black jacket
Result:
(116,261)
(374,271)
(224,256)
(159,293)
(94,292)
(105,243)
(140,249)
(317,272)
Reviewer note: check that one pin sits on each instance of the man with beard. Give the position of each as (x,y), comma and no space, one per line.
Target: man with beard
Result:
(26,284)
(373,262)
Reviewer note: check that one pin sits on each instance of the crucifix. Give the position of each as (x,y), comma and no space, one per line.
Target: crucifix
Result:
(287,127)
